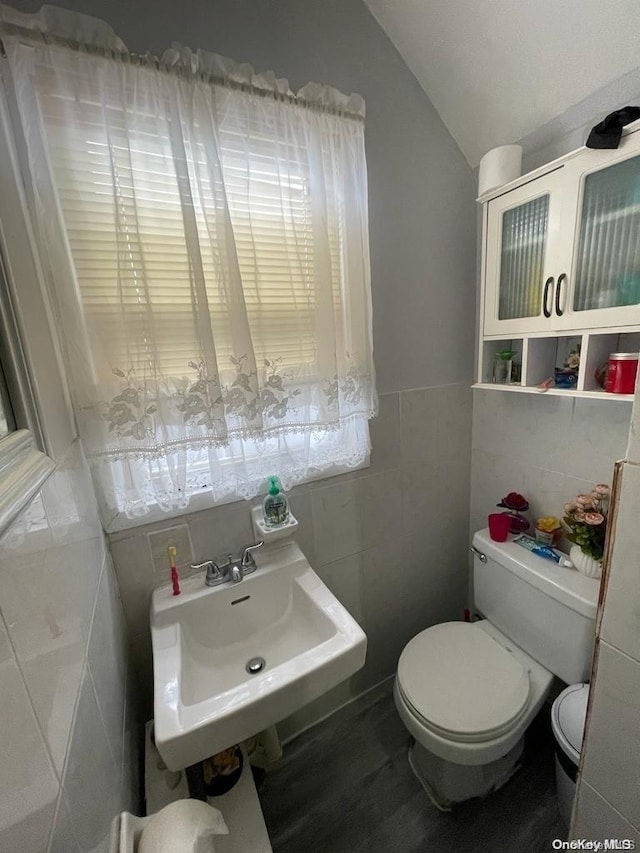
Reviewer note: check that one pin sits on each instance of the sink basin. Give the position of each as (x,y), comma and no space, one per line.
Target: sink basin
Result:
(205,699)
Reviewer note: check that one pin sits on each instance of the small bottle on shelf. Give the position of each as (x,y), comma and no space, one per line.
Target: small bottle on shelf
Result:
(275,506)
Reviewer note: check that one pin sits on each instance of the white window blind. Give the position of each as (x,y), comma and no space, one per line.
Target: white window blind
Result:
(131,175)
(213,281)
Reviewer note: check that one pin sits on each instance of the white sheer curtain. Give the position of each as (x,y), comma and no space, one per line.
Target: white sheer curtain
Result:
(206,236)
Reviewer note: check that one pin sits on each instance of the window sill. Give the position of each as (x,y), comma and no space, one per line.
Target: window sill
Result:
(199,502)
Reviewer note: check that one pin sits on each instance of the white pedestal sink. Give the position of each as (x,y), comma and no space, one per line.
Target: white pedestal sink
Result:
(205,700)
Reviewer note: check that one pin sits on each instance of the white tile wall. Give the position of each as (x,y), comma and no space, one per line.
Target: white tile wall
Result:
(621,617)
(336,521)
(633,447)
(608,791)
(28,781)
(547,448)
(612,752)
(596,820)
(380,499)
(599,431)
(345,580)
(67,755)
(389,540)
(108,658)
(159,542)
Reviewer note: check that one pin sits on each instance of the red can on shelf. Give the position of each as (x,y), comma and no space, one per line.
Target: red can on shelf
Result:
(621,374)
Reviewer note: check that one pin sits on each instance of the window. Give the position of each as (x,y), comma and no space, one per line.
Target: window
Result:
(23,467)
(207,246)
(123,198)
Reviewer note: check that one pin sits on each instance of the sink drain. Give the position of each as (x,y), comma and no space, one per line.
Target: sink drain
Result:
(255,665)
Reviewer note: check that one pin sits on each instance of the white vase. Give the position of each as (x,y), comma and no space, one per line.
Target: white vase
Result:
(585,564)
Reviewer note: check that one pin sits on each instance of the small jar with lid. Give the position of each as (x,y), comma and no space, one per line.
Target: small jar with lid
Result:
(621,373)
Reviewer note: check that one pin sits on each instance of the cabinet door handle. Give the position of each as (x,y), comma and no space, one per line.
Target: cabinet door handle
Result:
(545,297)
(561,278)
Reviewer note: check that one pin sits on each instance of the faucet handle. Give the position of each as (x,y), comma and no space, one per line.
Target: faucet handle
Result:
(247,556)
(214,576)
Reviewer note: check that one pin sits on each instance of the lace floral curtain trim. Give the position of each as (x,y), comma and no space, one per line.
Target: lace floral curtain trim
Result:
(242,408)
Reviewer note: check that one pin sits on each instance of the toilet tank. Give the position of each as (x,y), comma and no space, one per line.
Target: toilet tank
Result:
(546,609)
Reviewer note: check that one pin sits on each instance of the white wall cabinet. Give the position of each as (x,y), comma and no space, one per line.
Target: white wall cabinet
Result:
(562,250)
(602,246)
(561,261)
(522,254)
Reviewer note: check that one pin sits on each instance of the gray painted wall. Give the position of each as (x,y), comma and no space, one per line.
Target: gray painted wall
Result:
(421,190)
(388,540)
(570,130)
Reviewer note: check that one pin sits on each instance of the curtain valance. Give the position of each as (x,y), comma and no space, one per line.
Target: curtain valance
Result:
(207,250)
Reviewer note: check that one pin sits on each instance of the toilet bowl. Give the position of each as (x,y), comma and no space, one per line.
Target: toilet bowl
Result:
(468,691)
(467,695)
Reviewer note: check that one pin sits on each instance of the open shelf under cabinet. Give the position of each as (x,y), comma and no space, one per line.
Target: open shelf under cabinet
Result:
(538,355)
(556,392)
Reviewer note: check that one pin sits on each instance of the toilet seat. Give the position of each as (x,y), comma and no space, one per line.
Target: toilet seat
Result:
(461,684)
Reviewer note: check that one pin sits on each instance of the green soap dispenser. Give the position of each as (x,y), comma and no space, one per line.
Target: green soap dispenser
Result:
(275,506)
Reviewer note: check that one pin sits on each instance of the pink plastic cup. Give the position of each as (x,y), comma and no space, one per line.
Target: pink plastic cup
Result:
(499,524)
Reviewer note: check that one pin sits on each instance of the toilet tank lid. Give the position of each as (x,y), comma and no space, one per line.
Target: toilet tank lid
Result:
(566,586)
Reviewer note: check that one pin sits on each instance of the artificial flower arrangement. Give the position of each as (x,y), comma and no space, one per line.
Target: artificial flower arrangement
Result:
(516,503)
(549,524)
(585,521)
(548,529)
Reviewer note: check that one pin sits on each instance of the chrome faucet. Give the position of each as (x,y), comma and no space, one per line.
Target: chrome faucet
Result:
(237,568)
(233,570)
(236,573)
(247,561)
(214,575)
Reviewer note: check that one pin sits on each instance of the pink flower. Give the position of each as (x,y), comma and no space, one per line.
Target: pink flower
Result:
(579,515)
(602,490)
(593,518)
(585,501)
(568,508)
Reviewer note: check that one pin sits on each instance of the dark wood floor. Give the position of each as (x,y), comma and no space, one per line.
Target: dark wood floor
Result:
(345,787)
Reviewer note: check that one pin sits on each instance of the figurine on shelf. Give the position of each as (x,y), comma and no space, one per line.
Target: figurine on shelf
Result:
(567,375)
(573,359)
(516,504)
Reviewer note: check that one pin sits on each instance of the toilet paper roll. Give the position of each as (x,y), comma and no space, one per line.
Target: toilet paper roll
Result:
(498,167)
(185,826)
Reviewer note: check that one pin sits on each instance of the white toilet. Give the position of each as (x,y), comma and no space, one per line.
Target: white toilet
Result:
(468,691)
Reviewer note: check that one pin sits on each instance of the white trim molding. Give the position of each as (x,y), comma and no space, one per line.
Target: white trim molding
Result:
(23,471)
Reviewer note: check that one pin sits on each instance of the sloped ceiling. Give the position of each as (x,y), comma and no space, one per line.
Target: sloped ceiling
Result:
(496,70)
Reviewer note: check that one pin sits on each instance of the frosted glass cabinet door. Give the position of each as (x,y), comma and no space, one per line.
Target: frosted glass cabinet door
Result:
(606,269)
(521,229)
